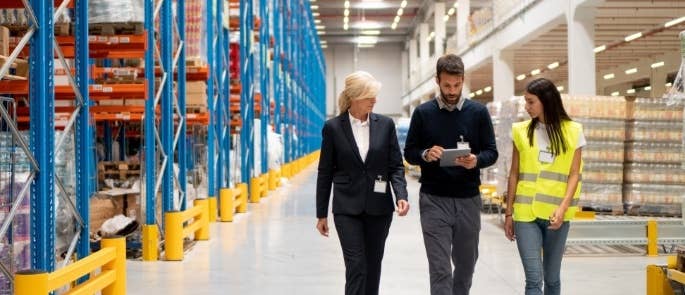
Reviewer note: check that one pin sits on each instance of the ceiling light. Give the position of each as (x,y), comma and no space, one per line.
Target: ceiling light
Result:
(633,37)
(451,11)
(599,49)
(631,71)
(323,41)
(346,13)
(368,25)
(315,14)
(560,88)
(615,93)
(648,88)
(320,27)
(674,22)
(346,20)
(366,40)
(394,26)
(400,11)
(609,76)
(366,45)
(471,94)
(553,65)
(346,26)
(521,77)
(630,91)
(315,7)
(370,32)
(479,92)
(312,0)
(535,72)
(488,89)
(347,4)
(324,46)
(657,65)
(446,18)
(397,18)
(456,4)
(321,32)
(317,21)
(404,4)
(669,84)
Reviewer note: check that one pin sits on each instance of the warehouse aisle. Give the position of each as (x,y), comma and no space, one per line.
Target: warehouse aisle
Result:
(275,249)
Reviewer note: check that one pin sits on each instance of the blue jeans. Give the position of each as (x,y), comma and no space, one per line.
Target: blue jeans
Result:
(541,250)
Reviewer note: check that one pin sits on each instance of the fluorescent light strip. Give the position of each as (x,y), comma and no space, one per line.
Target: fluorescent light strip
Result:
(657,65)
(404,4)
(320,27)
(648,88)
(669,84)
(347,4)
(521,77)
(609,76)
(674,22)
(451,11)
(553,65)
(346,13)
(631,71)
(599,49)
(479,92)
(315,7)
(633,37)
(446,18)
(560,88)
(394,26)
(370,32)
(615,93)
(397,18)
(630,91)
(346,26)
(535,72)
(366,45)
(471,94)
(456,4)
(400,11)
(487,89)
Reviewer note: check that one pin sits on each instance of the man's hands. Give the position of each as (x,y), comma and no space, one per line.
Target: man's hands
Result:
(402,207)
(435,153)
(322,226)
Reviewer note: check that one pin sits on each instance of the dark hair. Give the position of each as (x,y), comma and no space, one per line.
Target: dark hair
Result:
(554,112)
(451,64)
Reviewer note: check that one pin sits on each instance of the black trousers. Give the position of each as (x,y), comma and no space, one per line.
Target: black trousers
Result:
(362,238)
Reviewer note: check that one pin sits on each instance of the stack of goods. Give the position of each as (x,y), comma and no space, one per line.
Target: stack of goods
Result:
(654,178)
(15,244)
(504,114)
(603,156)
(119,11)
(195,41)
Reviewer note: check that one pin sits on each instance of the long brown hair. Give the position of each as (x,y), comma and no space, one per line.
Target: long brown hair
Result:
(554,113)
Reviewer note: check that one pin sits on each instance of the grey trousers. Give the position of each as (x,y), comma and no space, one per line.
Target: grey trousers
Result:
(451,227)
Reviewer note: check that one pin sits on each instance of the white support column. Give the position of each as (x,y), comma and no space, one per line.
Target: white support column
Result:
(439,11)
(581,55)
(658,82)
(503,74)
(423,48)
(414,68)
(463,13)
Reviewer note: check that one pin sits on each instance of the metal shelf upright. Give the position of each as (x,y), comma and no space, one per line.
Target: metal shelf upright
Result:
(247,90)
(264,72)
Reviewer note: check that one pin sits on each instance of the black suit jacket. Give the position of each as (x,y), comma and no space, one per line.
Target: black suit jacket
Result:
(352,179)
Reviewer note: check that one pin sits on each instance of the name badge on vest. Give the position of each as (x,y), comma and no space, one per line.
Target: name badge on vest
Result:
(546,157)
(380,185)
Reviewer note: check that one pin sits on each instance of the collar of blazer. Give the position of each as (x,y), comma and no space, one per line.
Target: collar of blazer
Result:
(347,129)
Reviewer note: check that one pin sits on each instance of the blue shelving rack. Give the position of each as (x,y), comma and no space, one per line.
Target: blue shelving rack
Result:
(42,145)
(247,90)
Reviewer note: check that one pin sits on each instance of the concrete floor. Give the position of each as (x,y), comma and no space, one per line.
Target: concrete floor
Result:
(275,249)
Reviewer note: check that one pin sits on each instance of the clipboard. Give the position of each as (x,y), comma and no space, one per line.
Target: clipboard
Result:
(450,155)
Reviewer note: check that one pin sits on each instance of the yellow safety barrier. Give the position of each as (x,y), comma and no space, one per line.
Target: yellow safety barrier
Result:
(255,189)
(111,280)
(150,242)
(232,200)
(175,231)
(658,278)
(212,208)
(265,185)
(652,235)
(274,179)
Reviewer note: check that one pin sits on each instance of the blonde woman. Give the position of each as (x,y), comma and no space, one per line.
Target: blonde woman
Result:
(360,160)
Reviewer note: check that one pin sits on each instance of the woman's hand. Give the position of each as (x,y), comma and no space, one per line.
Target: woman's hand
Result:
(557,218)
(402,207)
(322,226)
(509,228)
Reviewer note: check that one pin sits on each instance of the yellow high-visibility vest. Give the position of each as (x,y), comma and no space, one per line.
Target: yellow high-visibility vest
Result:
(541,186)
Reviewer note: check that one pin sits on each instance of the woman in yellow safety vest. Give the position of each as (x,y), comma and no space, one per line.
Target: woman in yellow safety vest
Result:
(544,185)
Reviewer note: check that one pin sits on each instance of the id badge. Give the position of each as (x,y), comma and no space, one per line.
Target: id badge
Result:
(463,145)
(546,157)
(379,186)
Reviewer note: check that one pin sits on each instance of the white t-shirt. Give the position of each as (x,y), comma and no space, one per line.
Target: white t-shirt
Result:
(543,139)
(360,130)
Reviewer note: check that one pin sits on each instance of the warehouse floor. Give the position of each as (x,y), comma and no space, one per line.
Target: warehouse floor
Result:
(275,249)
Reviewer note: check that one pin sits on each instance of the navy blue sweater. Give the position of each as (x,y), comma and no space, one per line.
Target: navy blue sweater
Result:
(432,126)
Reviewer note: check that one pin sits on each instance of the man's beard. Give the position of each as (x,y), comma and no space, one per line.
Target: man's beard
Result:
(451,99)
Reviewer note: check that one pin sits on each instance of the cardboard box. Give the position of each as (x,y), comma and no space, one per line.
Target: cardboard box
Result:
(4,41)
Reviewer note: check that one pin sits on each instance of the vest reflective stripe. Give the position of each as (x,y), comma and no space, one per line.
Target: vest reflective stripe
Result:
(521,199)
(528,177)
(541,186)
(550,200)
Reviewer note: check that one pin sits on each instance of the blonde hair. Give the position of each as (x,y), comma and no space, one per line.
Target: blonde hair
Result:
(358,85)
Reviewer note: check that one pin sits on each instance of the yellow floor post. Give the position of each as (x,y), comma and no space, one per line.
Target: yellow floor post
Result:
(31,282)
(272,179)
(150,242)
(242,190)
(227,206)
(652,235)
(118,265)
(265,185)
(255,190)
(173,235)
(202,234)
(657,283)
(211,206)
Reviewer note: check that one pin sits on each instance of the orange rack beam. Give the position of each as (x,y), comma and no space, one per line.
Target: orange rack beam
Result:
(19,4)
(104,91)
(117,46)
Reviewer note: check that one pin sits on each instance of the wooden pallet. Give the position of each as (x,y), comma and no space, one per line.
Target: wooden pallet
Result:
(109,29)
(118,170)
(61,29)
(196,109)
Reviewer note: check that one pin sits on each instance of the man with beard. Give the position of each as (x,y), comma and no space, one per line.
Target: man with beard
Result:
(449,197)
